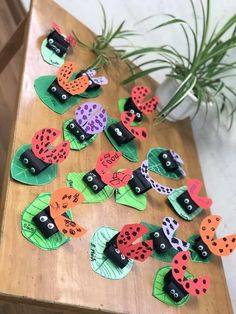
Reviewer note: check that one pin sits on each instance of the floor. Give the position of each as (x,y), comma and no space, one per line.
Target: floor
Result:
(216,147)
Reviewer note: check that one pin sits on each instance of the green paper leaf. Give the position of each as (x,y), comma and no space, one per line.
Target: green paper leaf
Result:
(129,150)
(179,210)
(126,196)
(74,143)
(32,233)
(74,180)
(166,257)
(41,85)
(21,173)
(158,285)
(99,262)
(156,166)
(194,255)
(50,56)
(121,104)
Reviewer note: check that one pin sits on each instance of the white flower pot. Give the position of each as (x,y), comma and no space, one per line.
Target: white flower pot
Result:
(184,110)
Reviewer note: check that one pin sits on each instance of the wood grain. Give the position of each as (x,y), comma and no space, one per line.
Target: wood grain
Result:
(63,279)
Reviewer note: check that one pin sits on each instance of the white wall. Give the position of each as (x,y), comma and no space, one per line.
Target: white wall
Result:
(217,149)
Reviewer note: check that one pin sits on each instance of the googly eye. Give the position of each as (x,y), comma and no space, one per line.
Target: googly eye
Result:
(186,200)
(72,125)
(138,115)
(156,234)
(137,189)
(204,253)
(119,133)
(172,291)
(32,170)
(116,130)
(50,226)
(63,96)
(164,156)
(168,163)
(190,207)
(95,187)
(84,74)
(162,246)
(90,82)
(122,256)
(82,137)
(200,247)
(117,251)
(90,178)
(176,295)
(131,111)
(43,218)
(26,161)
(51,41)
(53,89)
(58,50)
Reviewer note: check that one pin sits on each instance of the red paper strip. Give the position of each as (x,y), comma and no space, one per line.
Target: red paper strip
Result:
(139,132)
(194,187)
(138,94)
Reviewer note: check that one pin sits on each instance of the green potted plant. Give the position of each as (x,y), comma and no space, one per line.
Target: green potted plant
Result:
(197,78)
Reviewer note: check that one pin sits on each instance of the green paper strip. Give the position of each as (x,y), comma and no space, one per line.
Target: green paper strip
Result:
(126,196)
(179,210)
(41,85)
(74,143)
(74,180)
(21,173)
(50,56)
(158,285)
(194,255)
(32,233)
(156,166)
(121,104)
(99,262)
(129,150)
(166,257)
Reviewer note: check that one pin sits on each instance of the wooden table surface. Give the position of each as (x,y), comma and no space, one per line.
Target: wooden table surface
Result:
(63,279)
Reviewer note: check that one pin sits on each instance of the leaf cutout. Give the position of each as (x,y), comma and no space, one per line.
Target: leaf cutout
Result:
(21,173)
(69,228)
(99,262)
(127,119)
(74,180)
(220,247)
(32,233)
(125,196)
(73,87)
(194,187)
(138,95)
(129,150)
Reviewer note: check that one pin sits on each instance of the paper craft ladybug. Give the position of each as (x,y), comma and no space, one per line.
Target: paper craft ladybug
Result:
(95,83)
(58,43)
(164,239)
(137,105)
(53,218)
(123,132)
(176,286)
(187,202)
(91,119)
(41,156)
(206,244)
(120,249)
(98,178)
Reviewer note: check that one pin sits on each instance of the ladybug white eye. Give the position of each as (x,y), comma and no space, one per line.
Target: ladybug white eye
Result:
(156,234)
(95,187)
(58,50)
(131,111)
(122,256)
(119,133)
(204,253)
(72,125)
(200,247)
(51,41)
(90,178)
(90,82)
(63,96)
(164,156)
(116,130)
(190,207)
(117,251)
(43,218)
(32,169)
(138,115)
(172,291)
(168,163)
(50,226)
(137,189)
(26,161)
(162,246)
(186,200)
(176,295)
(53,89)
(82,137)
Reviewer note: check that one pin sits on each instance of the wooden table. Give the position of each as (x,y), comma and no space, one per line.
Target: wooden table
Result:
(63,280)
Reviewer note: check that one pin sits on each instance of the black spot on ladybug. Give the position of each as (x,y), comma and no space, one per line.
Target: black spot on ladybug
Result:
(134,233)
(184,257)
(195,280)
(233,240)
(197,291)
(187,285)
(128,253)
(221,250)
(184,267)
(144,134)
(204,281)
(209,221)
(142,256)
(214,243)
(212,229)
(126,232)
(176,270)
(72,231)
(204,290)
(225,239)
